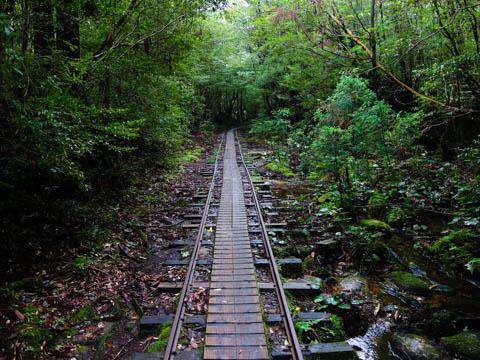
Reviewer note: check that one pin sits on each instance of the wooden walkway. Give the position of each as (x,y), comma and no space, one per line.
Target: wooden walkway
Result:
(234,322)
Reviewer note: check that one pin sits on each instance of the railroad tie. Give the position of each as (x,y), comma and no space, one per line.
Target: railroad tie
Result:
(234,322)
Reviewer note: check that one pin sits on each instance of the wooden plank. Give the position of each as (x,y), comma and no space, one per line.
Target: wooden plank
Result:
(255,328)
(235,340)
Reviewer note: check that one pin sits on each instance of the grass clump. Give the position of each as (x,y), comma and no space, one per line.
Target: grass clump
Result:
(161,343)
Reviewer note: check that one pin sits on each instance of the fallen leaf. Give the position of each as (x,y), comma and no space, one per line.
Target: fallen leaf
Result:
(19,315)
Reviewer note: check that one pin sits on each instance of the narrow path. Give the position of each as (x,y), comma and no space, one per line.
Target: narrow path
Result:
(234,322)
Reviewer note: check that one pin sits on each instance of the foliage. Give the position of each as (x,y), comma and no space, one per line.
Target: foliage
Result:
(319,331)
(275,129)
(161,343)
(91,94)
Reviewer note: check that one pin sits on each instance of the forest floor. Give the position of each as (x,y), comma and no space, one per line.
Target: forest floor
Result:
(387,299)
(87,304)
(380,296)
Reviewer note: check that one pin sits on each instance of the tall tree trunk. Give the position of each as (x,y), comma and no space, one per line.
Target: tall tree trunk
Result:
(373,43)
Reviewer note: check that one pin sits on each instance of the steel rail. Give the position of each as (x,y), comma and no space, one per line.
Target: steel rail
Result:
(180,312)
(295,348)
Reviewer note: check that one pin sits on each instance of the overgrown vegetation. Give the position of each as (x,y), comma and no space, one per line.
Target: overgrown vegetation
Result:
(92,93)
(378,109)
(373,104)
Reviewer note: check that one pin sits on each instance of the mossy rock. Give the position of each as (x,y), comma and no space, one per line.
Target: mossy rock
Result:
(465,345)
(378,200)
(443,323)
(412,346)
(376,225)
(397,215)
(409,282)
(456,237)
(27,284)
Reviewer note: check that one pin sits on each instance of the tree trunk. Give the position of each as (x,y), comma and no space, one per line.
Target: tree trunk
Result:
(373,44)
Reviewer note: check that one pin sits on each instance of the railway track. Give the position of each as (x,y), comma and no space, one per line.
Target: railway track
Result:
(232,260)
(232,268)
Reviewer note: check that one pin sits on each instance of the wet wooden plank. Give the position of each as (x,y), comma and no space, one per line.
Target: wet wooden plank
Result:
(234,318)
(235,340)
(255,328)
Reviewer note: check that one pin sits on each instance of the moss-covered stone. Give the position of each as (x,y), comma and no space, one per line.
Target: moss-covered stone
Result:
(377,225)
(280,167)
(456,237)
(465,345)
(29,284)
(409,282)
(397,215)
(412,346)
(442,323)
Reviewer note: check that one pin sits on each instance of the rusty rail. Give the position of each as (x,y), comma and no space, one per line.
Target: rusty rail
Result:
(180,312)
(295,348)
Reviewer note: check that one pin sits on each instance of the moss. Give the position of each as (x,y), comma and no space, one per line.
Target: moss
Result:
(29,284)
(409,282)
(161,343)
(456,237)
(396,215)
(466,345)
(412,346)
(191,155)
(84,313)
(373,224)
(378,200)
(280,167)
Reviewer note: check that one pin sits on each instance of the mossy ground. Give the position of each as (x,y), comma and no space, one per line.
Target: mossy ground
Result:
(409,282)
(374,224)
(466,345)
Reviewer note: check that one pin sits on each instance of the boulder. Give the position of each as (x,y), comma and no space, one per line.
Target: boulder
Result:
(414,347)
(353,284)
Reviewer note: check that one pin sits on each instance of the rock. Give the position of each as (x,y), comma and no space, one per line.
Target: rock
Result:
(465,345)
(442,289)
(326,247)
(189,354)
(409,282)
(353,284)
(391,308)
(414,347)
(378,225)
(442,323)
(416,270)
(302,251)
